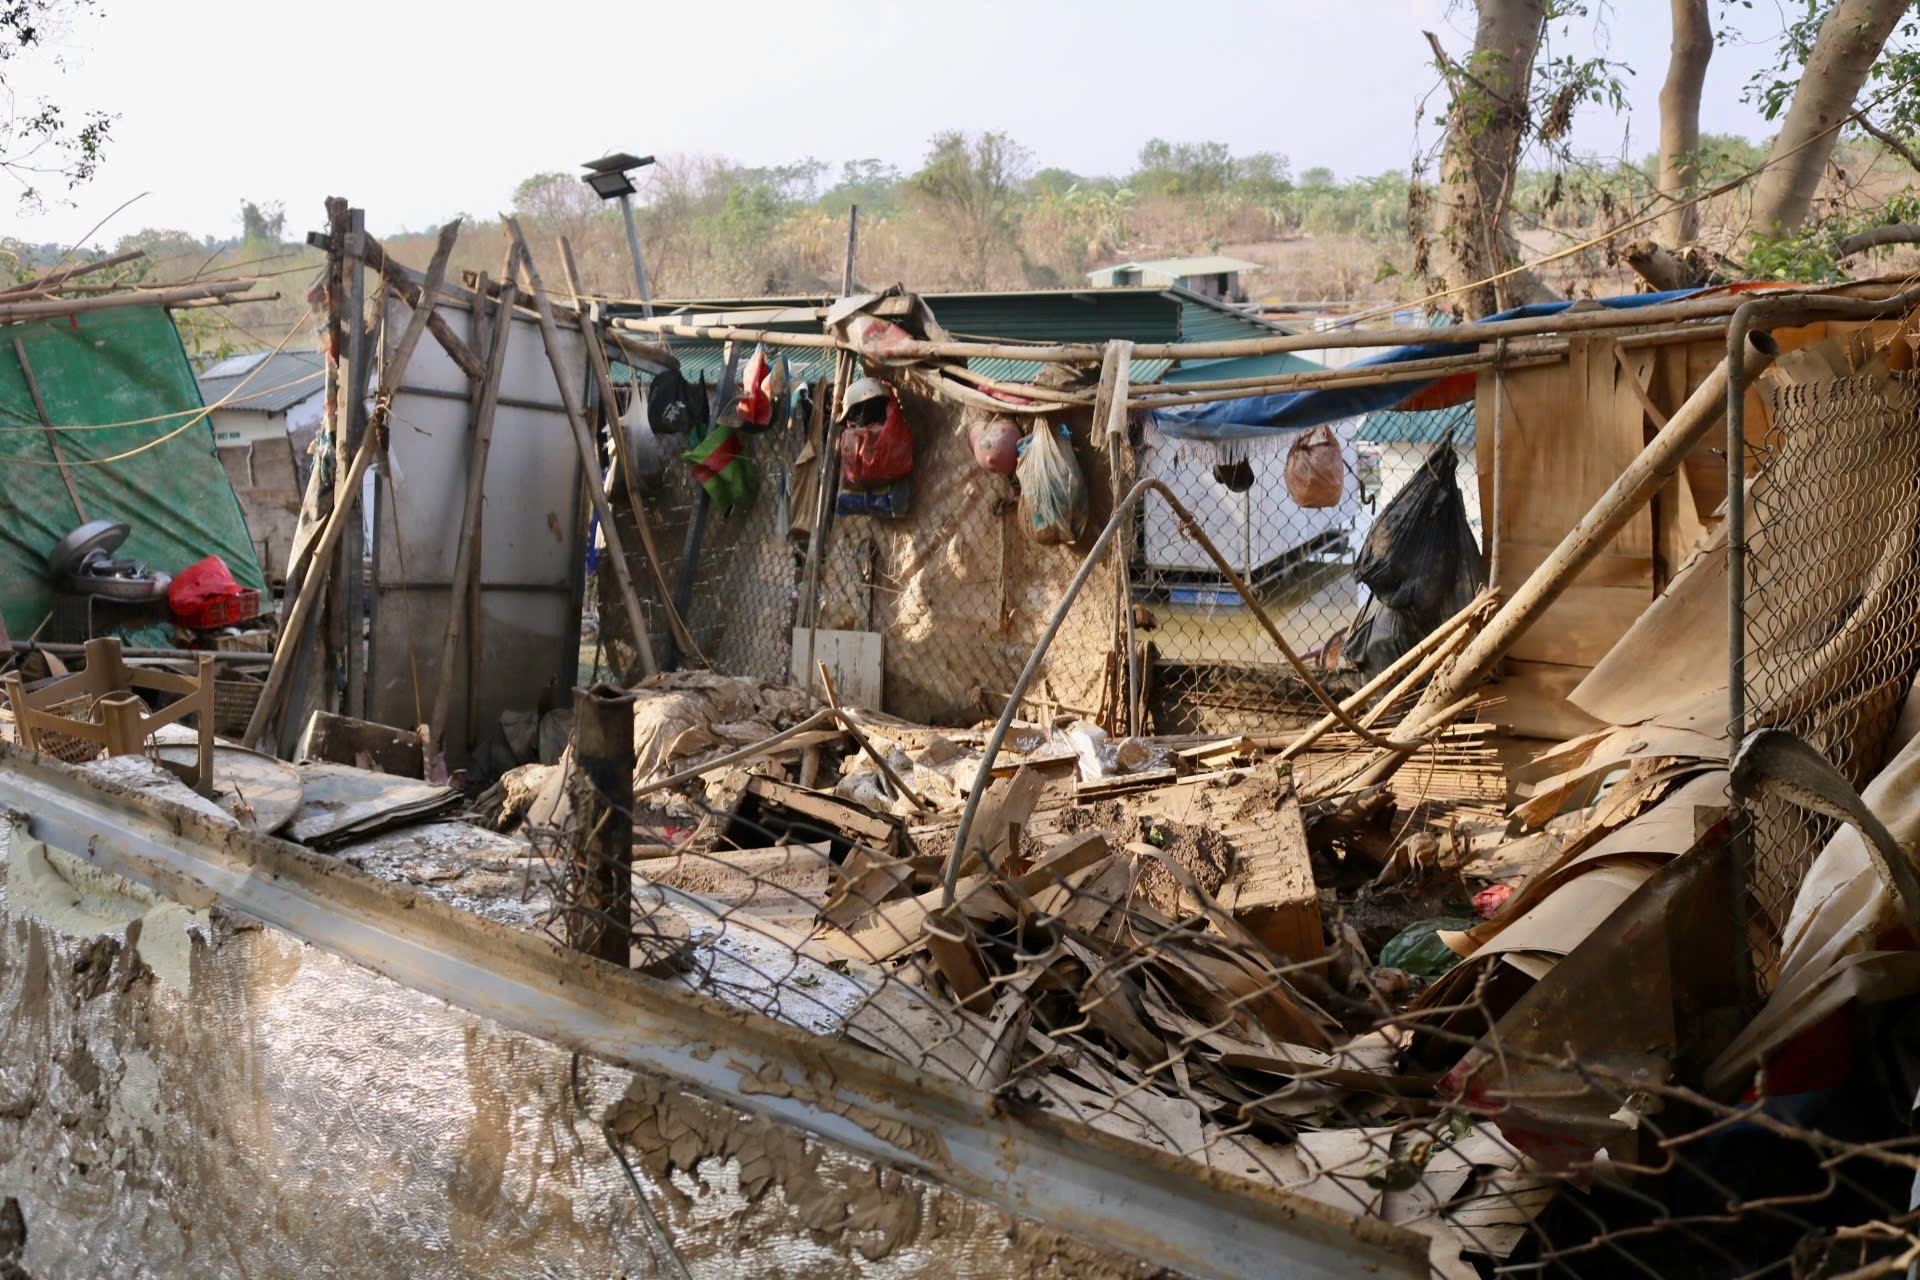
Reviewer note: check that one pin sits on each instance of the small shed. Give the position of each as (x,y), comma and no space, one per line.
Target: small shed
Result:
(1210,276)
(274,401)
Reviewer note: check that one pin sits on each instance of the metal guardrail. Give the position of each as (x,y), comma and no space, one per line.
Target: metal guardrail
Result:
(1172,1212)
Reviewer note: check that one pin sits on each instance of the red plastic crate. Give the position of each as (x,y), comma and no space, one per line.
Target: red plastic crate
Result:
(222,611)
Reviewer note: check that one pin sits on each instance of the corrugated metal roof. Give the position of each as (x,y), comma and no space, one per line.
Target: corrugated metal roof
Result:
(1423,426)
(278,380)
(1242,367)
(1042,316)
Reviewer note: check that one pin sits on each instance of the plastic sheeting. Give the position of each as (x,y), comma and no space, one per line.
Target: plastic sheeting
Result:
(117,366)
(1253,415)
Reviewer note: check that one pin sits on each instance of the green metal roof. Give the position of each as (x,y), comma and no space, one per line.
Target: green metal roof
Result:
(1420,426)
(1040,316)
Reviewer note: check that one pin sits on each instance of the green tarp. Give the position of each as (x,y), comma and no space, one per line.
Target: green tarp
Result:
(106,367)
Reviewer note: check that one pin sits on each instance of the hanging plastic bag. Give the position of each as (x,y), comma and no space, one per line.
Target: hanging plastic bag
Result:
(874,456)
(643,447)
(775,384)
(996,445)
(670,403)
(754,408)
(872,336)
(1234,477)
(1053,493)
(1316,476)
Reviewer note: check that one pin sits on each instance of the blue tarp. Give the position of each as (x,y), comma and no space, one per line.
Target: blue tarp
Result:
(1294,410)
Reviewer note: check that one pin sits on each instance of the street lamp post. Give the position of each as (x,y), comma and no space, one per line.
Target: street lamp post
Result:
(610,180)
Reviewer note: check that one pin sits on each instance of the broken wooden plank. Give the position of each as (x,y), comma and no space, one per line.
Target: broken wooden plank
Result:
(860,826)
(1273,893)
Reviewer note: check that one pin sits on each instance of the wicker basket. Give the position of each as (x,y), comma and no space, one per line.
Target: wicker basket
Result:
(233,703)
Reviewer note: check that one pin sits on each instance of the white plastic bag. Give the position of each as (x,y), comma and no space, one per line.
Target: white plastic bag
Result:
(1053,493)
(643,447)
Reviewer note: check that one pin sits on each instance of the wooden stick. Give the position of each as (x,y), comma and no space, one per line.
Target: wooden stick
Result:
(589,461)
(54,279)
(852,727)
(467,551)
(429,294)
(400,281)
(1406,662)
(53,435)
(345,514)
(11,311)
(760,748)
(1630,491)
(292,636)
(603,377)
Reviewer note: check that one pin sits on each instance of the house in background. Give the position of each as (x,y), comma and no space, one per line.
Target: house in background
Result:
(1210,277)
(277,402)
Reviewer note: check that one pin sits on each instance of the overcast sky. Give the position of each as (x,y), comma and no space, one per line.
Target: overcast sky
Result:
(433,109)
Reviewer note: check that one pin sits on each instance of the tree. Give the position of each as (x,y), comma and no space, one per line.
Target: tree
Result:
(39,140)
(1183,168)
(1486,122)
(1692,48)
(559,202)
(973,186)
(1851,36)
(262,225)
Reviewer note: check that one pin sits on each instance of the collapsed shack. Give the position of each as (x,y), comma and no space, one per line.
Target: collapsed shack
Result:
(882,891)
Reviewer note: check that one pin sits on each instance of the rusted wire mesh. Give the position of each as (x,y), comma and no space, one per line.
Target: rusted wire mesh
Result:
(1157,937)
(1831,604)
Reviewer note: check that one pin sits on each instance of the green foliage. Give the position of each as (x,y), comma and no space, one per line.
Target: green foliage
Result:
(872,184)
(41,139)
(974,186)
(1183,168)
(1812,255)
(1892,90)
(262,225)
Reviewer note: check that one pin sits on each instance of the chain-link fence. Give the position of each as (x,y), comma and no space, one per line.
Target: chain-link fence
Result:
(1177,951)
(1832,600)
(1214,669)
(957,593)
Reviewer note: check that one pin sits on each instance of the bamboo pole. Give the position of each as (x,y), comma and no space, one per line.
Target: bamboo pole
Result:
(54,279)
(292,636)
(1636,484)
(589,460)
(603,378)
(1563,322)
(11,311)
(429,294)
(467,553)
(345,507)
(829,463)
(53,435)
(400,281)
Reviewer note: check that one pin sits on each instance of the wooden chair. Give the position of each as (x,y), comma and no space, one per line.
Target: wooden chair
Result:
(122,725)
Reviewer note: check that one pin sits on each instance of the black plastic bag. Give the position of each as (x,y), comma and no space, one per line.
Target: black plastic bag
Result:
(1420,562)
